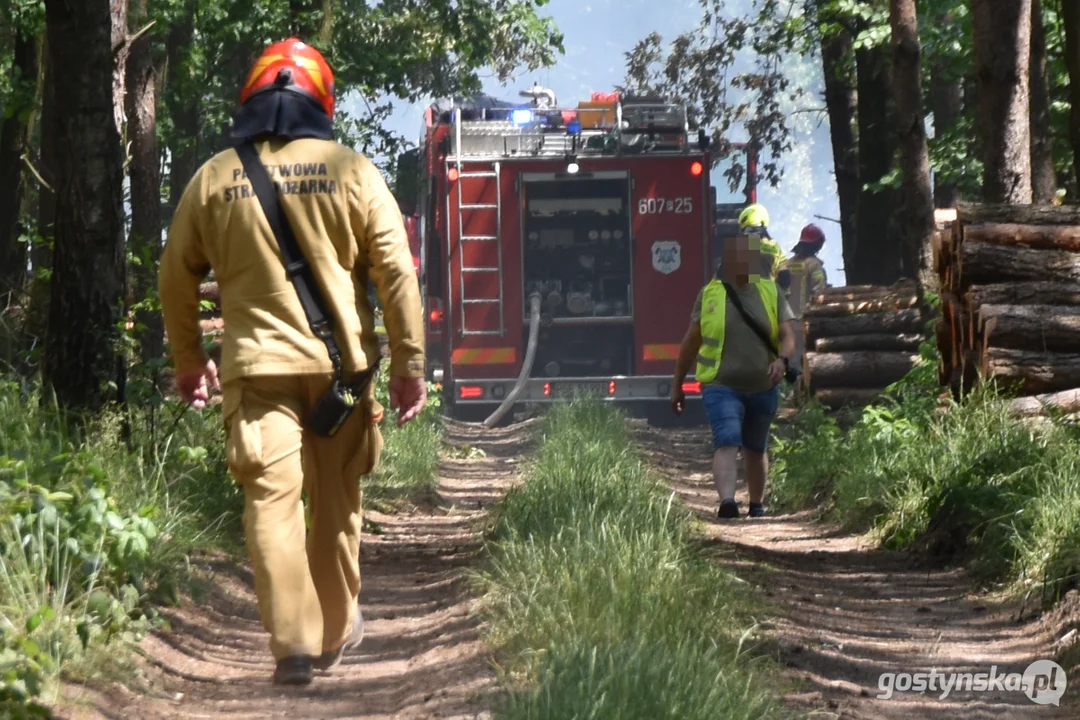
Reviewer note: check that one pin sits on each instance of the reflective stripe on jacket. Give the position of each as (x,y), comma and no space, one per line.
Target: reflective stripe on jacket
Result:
(713,322)
(807,279)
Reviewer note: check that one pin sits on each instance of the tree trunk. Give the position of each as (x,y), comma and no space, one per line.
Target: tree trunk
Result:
(1024,293)
(312,21)
(838,64)
(1066,401)
(14,141)
(145,173)
(1070,16)
(41,254)
(877,257)
(1002,33)
(874,341)
(1031,327)
(1032,372)
(1040,237)
(1043,177)
(119,12)
(947,101)
(984,263)
(835,398)
(896,322)
(916,200)
(979,213)
(855,307)
(87,286)
(181,102)
(857,369)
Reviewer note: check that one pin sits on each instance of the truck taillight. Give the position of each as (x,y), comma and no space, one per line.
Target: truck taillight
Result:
(471,392)
(436,315)
(691,387)
(696,168)
(547,389)
(452,174)
(611,388)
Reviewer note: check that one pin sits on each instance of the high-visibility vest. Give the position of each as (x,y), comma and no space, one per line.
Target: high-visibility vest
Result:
(771,257)
(713,323)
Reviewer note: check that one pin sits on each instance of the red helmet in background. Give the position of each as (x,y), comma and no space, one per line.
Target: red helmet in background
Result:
(812,235)
(294,65)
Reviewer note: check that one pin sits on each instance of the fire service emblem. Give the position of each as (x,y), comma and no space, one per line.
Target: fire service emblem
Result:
(666,256)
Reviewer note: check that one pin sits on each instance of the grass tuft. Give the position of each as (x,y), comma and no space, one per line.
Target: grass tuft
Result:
(598,604)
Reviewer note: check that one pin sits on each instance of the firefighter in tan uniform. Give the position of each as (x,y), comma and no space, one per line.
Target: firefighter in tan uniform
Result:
(806,277)
(274,369)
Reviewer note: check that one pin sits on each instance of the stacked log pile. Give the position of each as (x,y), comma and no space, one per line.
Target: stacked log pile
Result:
(1010,279)
(859,340)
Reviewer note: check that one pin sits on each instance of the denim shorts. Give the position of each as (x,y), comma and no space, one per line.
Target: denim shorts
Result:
(740,419)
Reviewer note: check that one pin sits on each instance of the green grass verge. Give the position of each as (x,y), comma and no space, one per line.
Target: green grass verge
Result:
(969,483)
(95,529)
(598,604)
(410,460)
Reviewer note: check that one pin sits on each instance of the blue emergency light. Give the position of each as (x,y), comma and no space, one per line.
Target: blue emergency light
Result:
(573,127)
(521,116)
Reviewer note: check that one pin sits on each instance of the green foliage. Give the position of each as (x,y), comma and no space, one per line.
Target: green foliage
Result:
(410,457)
(598,604)
(965,482)
(93,531)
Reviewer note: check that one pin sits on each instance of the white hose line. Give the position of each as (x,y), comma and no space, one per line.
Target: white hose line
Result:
(526,367)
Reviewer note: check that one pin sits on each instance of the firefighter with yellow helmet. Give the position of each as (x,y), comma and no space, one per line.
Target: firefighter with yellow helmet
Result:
(754,222)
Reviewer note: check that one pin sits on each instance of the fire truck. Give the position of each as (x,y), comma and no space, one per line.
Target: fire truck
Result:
(560,249)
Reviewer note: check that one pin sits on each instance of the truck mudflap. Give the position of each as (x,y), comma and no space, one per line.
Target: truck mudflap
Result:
(547,390)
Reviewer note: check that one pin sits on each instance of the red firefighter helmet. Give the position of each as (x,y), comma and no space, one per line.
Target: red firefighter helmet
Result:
(812,235)
(295,65)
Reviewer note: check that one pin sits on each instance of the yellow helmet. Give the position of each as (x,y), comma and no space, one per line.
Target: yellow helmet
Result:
(754,216)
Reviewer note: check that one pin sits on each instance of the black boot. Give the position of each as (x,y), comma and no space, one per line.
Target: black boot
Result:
(295,670)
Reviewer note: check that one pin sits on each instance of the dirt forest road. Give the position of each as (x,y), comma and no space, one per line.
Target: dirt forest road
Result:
(843,612)
(422,656)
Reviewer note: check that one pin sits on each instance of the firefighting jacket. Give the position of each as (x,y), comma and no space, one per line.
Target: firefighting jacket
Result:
(350,229)
(808,278)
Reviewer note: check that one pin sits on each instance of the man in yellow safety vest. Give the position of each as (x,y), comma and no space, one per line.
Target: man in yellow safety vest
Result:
(740,365)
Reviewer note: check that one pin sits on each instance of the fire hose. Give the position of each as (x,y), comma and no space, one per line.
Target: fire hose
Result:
(526,367)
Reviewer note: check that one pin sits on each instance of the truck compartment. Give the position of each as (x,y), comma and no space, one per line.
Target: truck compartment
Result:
(577,253)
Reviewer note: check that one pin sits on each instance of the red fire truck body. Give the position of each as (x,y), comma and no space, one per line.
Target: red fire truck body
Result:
(602,213)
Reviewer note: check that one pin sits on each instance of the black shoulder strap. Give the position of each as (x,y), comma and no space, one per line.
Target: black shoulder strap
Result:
(737,302)
(296,265)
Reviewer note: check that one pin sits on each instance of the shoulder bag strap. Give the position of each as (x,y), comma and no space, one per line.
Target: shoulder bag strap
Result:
(296,265)
(750,321)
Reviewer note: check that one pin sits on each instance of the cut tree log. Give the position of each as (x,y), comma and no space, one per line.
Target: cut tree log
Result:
(853,307)
(979,213)
(984,263)
(894,322)
(1066,401)
(1026,293)
(1040,237)
(209,291)
(873,341)
(1054,328)
(1031,372)
(835,398)
(870,370)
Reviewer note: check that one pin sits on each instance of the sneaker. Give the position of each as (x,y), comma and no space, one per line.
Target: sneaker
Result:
(756,510)
(331,658)
(295,670)
(728,509)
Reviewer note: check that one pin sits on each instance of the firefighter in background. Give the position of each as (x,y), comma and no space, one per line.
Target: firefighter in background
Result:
(805,277)
(754,222)
(274,368)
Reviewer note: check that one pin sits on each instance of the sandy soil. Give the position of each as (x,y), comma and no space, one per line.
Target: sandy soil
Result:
(422,655)
(843,612)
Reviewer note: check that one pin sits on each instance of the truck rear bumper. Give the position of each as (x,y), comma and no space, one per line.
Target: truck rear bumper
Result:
(637,388)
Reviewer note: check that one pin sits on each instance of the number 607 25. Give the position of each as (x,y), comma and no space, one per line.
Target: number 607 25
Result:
(657,205)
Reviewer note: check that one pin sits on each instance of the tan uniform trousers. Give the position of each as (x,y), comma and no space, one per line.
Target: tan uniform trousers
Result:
(306,581)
